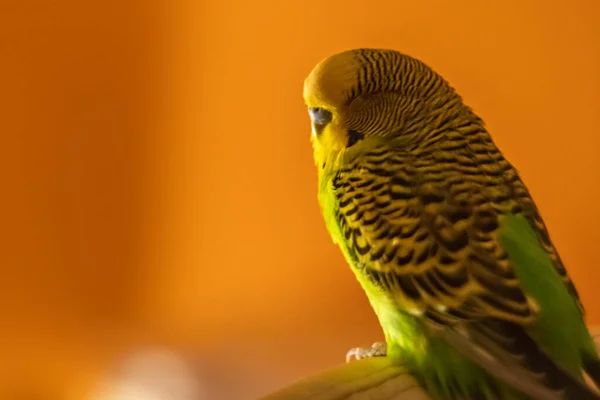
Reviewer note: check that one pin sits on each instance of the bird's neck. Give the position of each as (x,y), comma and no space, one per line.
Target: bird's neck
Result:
(461,120)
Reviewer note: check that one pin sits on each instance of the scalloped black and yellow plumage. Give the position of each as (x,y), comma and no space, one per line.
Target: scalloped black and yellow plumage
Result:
(418,196)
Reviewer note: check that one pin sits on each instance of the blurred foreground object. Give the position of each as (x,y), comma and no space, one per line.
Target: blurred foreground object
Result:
(153,374)
(372,379)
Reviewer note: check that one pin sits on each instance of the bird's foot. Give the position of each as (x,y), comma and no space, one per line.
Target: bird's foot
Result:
(378,349)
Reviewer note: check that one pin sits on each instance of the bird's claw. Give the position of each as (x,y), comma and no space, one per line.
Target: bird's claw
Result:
(378,349)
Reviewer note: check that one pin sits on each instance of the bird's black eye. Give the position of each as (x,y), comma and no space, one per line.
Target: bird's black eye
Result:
(319,116)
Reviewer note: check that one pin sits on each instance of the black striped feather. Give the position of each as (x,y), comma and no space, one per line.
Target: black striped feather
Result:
(424,226)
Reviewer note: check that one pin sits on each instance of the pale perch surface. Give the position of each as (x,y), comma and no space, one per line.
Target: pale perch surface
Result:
(372,379)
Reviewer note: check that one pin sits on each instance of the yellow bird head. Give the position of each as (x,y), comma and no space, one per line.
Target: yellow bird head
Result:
(367,94)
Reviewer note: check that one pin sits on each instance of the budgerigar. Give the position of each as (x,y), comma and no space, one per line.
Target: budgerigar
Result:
(443,235)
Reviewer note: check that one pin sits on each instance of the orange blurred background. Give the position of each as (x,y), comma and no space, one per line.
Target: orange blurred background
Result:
(158,184)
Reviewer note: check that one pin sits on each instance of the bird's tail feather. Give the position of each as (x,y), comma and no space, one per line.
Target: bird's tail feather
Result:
(591,365)
(519,362)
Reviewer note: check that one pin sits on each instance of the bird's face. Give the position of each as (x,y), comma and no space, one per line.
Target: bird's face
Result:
(358,95)
(329,133)
(326,93)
